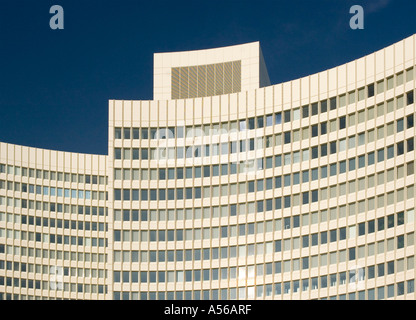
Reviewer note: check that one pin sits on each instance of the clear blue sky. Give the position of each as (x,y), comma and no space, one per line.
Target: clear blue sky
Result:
(55,84)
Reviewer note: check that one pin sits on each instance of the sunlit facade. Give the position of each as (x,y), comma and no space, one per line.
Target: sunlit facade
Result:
(226,187)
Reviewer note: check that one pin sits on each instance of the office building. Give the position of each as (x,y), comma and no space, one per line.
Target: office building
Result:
(226,187)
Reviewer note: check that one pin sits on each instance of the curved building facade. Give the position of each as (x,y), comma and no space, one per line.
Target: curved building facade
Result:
(226,187)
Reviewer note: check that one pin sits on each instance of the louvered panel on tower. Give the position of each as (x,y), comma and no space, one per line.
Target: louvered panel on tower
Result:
(206,80)
(210,80)
(184,84)
(175,83)
(228,77)
(202,81)
(236,76)
(193,82)
(219,78)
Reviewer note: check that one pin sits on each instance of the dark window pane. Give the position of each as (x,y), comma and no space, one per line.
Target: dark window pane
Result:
(380,155)
(380,224)
(145,133)
(324,150)
(315,130)
(410,145)
(260,122)
(314,152)
(370,90)
(323,128)
(314,109)
(361,161)
(342,122)
(400,218)
(305,111)
(136,133)
(390,152)
(126,133)
(333,103)
(287,137)
(371,226)
(117,133)
(409,97)
(390,221)
(333,147)
(400,148)
(410,121)
(324,106)
(361,229)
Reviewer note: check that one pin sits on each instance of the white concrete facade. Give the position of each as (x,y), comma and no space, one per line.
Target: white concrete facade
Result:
(300,190)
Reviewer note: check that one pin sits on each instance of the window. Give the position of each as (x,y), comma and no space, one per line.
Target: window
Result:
(145,133)
(409,74)
(314,130)
(361,139)
(305,176)
(390,82)
(242,125)
(410,144)
(333,103)
(278,118)
(324,172)
(145,154)
(324,106)
(287,137)
(314,195)
(351,253)
(305,197)
(323,128)
(296,114)
(380,86)
(410,286)
(314,153)
(400,148)
(410,168)
(342,145)
(117,133)
(126,133)
(390,152)
(305,111)
(400,125)
(117,194)
(333,169)
(370,158)
(370,90)
(136,133)
(390,267)
(342,122)
(342,167)
(399,79)
(269,120)
(333,235)
(333,147)
(410,121)
(409,98)
(361,94)
(380,155)
(260,122)
(287,116)
(117,153)
(351,119)
(324,150)
(351,97)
